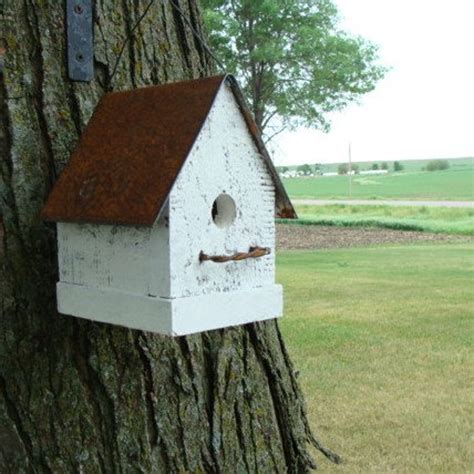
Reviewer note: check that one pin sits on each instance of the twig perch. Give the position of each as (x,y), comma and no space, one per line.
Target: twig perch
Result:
(254,252)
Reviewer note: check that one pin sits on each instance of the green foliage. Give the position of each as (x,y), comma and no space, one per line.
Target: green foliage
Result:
(465,163)
(305,169)
(427,219)
(293,61)
(282,169)
(452,184)
(384,165)
(437,165)
(375,166)
(343,168)
(397,166)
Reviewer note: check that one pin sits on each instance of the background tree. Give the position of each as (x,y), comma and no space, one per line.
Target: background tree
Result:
(437,165)
(397,166)
(305,169)
(375,166)
(384,165)
(293,61)
(343,168)
(80,396)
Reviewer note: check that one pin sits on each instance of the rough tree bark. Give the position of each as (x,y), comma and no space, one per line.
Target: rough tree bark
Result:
(78,396)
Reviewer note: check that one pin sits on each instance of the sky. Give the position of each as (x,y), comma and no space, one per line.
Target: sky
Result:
(422,109)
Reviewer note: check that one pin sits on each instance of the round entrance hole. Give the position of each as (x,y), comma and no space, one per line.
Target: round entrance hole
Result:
(223,211)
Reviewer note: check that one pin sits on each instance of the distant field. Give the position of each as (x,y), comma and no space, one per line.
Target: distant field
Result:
(455,183)
(383,340)
(408,165)
(426,219)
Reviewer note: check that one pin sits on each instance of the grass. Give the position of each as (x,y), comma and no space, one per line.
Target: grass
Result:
(426,219)
(383,340)
(408,165)
(456,183)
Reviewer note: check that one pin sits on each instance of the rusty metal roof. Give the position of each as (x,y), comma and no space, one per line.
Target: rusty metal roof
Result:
(132,150)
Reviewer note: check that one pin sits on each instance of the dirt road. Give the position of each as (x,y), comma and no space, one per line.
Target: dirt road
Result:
(293,236)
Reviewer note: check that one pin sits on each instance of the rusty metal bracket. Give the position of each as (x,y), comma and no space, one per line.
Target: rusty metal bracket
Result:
(80,54)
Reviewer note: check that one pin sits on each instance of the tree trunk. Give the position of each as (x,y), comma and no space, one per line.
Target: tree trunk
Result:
(79,396)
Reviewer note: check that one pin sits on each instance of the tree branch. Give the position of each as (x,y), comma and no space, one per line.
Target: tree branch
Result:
(273,135)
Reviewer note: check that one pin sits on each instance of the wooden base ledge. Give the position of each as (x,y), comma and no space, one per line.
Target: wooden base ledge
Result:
(171,316)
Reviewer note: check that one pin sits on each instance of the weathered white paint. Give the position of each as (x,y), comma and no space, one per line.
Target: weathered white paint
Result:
(132,259)
(213,311)
(104,256)
(224,159)
(109,305)
(159,256)
(172,316)
(151,278)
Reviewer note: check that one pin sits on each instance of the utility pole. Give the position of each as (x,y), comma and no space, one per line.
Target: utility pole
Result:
(350,171)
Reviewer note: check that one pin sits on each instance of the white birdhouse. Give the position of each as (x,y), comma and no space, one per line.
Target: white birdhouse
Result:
(165,212)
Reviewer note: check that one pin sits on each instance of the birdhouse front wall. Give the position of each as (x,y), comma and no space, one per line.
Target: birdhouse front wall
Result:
(224,164)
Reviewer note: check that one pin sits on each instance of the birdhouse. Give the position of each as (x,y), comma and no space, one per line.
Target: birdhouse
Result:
(165,212)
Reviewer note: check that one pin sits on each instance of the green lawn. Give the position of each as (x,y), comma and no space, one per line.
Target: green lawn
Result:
(429,219)
(456,183)
(383,340)
(408,165)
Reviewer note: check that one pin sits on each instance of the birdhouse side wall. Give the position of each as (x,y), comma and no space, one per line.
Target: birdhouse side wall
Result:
(114,257)
(224,161)
(159,256)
